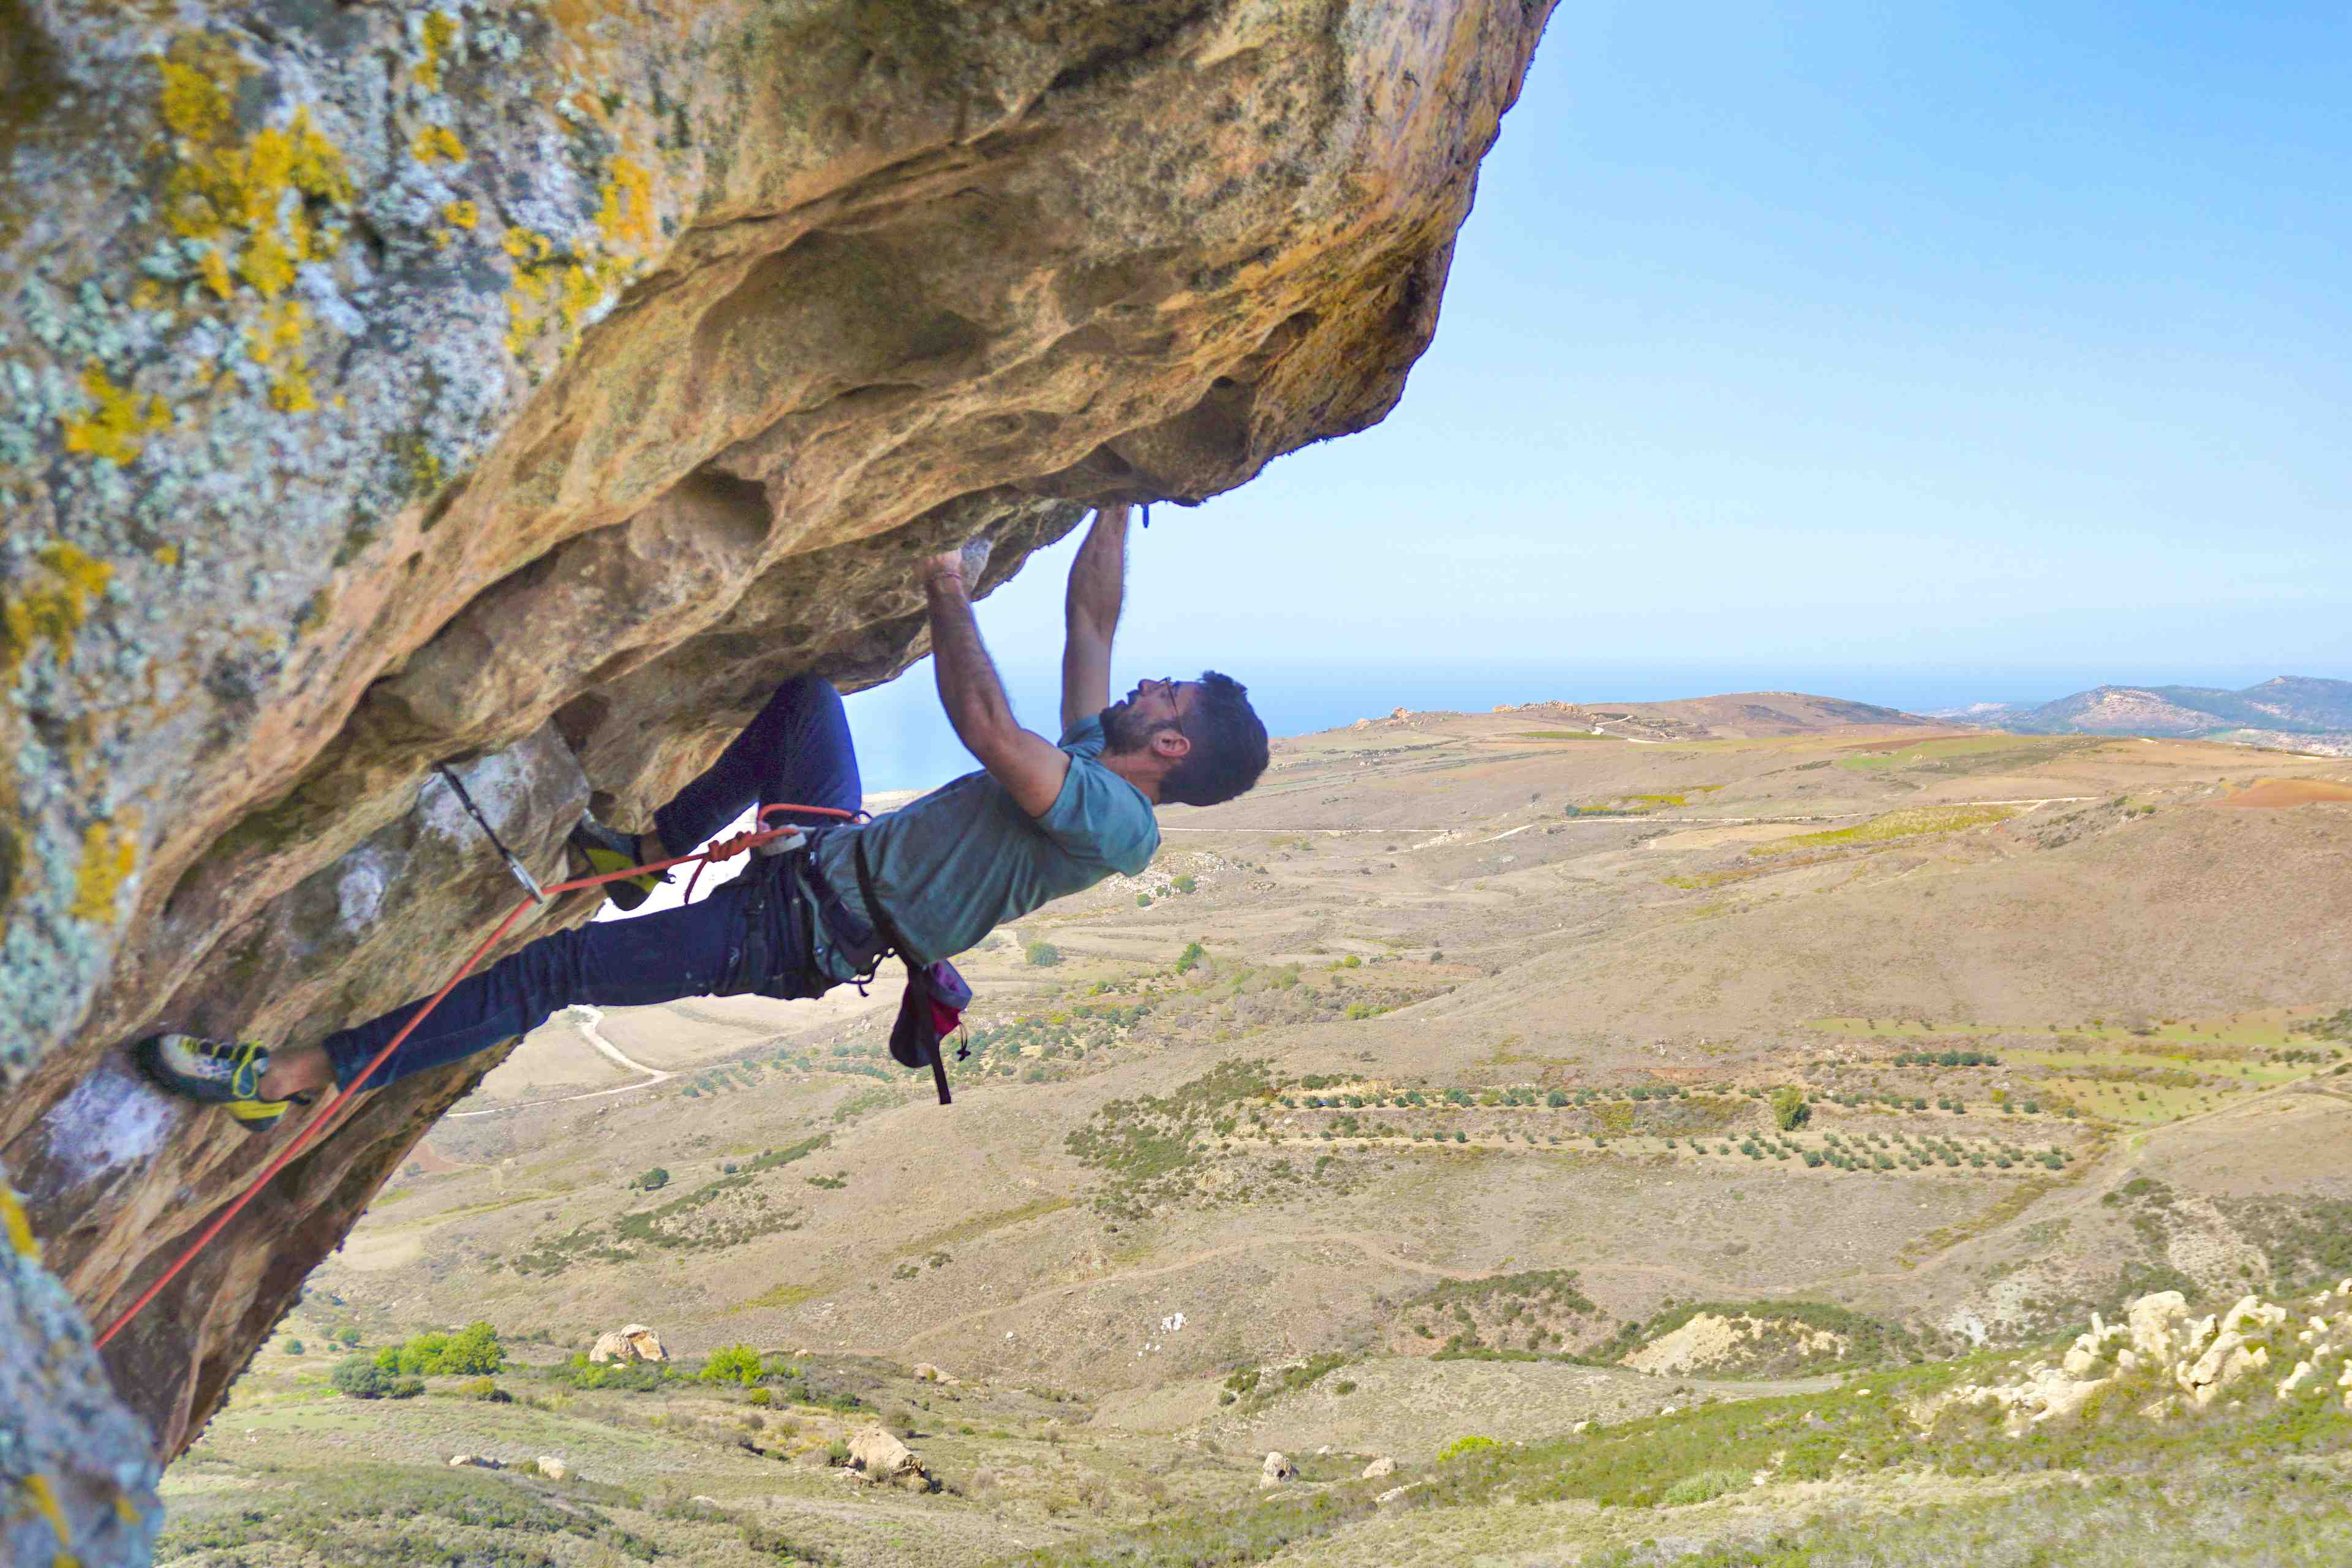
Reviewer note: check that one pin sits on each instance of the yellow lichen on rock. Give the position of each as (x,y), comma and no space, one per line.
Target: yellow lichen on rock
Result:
(107,862)
(53,615)
(291,391)
(437,31)
(19,1229)
(278,345)
(267,264)
(221,185)
(44,1499)
(553,287)
(627,213)
(193,104)
(234,192)
(436,144)
(461,213)
(116,426)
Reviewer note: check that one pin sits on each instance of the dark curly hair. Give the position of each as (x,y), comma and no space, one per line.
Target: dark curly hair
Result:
(1228,745)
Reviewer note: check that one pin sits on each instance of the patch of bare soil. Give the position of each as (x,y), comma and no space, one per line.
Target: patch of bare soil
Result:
(1711,1340)
(2275,793)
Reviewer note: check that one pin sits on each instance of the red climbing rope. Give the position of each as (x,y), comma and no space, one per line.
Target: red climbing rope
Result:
(724,849)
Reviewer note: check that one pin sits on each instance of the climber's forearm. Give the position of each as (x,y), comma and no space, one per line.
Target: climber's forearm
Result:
(1090,610)
(1098,576)
(1029,766)
(969,688)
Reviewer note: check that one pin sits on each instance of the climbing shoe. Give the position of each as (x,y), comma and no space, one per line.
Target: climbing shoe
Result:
(221,1072)
(608,850)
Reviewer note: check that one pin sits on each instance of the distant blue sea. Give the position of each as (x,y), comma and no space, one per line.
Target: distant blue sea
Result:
(904,741)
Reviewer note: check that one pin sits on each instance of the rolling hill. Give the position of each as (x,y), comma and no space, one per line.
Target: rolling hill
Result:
(2288,711)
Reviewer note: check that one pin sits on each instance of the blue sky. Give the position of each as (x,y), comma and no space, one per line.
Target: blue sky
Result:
(1916,354)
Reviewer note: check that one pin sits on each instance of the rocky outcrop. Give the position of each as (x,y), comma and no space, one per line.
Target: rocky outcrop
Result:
(1275,1469)
(630,1342)
(2163,1358)
(882,1459)
(533,388)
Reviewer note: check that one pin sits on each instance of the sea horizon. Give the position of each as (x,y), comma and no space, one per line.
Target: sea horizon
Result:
(904,741)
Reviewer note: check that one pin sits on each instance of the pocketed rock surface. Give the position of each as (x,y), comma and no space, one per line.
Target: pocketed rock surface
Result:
(531,388)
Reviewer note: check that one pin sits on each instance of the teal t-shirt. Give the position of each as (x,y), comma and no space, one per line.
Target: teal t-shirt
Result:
(965,859)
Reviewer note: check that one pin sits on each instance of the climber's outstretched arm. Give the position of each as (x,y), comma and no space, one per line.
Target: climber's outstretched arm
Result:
(1090,613)
(1029,766)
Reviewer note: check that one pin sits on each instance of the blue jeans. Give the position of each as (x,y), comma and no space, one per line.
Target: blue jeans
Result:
(797,750)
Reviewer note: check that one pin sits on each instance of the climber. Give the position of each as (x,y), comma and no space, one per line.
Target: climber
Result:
(1038,821)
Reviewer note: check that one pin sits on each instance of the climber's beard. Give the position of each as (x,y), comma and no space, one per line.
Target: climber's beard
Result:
(1124,729)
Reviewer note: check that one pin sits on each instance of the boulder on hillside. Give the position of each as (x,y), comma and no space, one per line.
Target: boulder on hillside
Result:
(2156,1323)
(1276,1469)
(926,1372)
(633,1342)
(477,1461)
(1383,1466)
(553,1469)
(879,1457)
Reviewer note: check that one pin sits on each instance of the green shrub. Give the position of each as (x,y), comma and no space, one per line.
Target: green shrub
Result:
(1461,1445)
(482,1388)
(293,1347)
(472,1351)
(1143,901)
(732,1363)
(357,1377)
(650,1181)
(1042,954)
(1703,1487)
(1192,958)
(1184,884)
(762,1396)
(1789,1110)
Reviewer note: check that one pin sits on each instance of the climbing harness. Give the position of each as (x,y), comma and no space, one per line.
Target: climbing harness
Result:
(756,836)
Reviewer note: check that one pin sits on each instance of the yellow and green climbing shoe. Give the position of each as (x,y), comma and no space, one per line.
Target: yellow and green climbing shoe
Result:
(607,850)
(220,1073)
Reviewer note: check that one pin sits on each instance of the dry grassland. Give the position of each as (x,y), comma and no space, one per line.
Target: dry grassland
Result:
(1452,1001)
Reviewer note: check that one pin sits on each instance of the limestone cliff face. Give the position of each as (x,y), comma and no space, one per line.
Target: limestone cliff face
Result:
(532,386)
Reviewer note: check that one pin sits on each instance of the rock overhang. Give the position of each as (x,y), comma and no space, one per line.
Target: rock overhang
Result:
(533,387)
